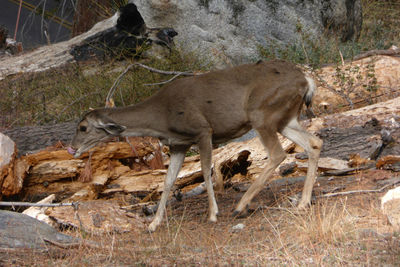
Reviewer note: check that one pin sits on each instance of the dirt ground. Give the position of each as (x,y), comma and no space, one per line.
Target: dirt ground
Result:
(342,230)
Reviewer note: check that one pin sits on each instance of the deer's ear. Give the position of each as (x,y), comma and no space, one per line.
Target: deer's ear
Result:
(111,128)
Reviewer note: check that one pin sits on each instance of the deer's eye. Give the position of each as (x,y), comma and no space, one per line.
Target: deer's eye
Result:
(82,128)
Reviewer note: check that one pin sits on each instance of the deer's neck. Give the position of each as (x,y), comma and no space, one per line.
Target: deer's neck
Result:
(144,119)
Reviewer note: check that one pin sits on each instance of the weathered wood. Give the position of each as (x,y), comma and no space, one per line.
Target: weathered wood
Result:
(325,164)
(9,182)
(391,162)
(121,167)
(97,217)
(57,171)
(31,139)
(123,40)
(357,83)
(387,113)
(394,51)
(341,143)
(108,37)
(38,212)
(371,131)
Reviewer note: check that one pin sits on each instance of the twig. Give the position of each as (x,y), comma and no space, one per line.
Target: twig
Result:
(116,83)
(62,245)
(347,171)
(333,90)
(118,80)
(164,82)
(185,73)
(388,52)
(29,204)
(149,196)
(356,192)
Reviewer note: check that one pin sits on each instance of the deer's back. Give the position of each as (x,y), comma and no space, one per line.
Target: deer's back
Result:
(224,99)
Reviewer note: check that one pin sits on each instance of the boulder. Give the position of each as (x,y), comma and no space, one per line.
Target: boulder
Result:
(21,231)
(231,31)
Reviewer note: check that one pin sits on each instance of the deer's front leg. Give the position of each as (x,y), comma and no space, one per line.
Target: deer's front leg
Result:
(176,161)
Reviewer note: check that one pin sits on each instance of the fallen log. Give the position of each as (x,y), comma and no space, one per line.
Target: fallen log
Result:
(391,162)
(57,172)
(97,217)
(112,36)
(123,168)
(12,170)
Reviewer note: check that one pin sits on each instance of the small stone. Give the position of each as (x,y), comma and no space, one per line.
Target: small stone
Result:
(238,227)
(287,169)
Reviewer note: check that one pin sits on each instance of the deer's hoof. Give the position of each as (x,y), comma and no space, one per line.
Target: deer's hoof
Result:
(213,218)
(152,227)
(303,205)
(241,214)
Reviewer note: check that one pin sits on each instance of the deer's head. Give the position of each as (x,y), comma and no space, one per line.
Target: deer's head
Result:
(93,128)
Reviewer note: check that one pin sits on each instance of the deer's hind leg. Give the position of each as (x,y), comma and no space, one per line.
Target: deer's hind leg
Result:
(276,155)
(205,147)
(312,145)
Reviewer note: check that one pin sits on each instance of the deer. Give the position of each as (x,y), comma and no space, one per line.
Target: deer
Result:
(213,108)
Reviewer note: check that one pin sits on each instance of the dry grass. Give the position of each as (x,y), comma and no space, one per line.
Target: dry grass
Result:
(333,232)
(65,93)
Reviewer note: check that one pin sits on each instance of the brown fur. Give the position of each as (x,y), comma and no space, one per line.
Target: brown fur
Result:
(213,108)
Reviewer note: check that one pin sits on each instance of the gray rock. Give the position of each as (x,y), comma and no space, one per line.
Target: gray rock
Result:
(238,227)
(21,231)
(231,31)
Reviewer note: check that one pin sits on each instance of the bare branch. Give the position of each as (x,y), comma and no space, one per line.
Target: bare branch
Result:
(164,82)
(116,83)
(185,73)
(29,204)
(333,90)
(118,80)
(356,192)
(388,52)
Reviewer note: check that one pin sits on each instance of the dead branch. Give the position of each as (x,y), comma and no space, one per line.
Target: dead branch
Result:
(29,204)
(118,80)
(184,73)
(164,82)
(389,52)
(347,171)
(393,51)
(116,83)
(333,90)
(356,192)
(149,196)
(67,245)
